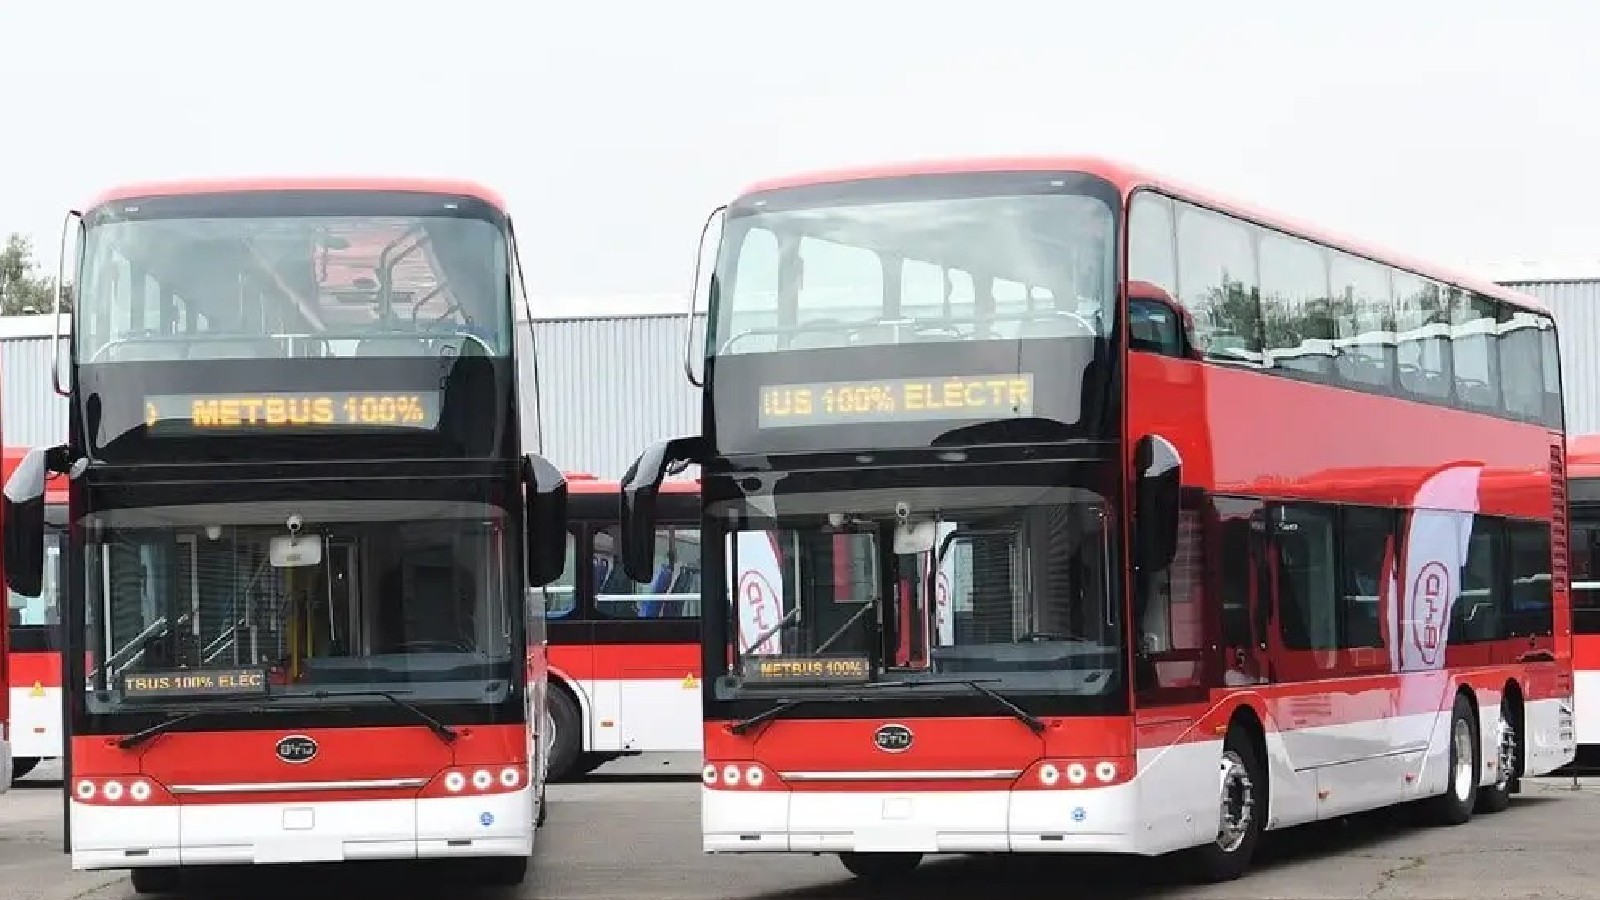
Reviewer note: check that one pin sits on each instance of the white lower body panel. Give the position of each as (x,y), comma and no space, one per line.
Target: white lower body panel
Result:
(1093,820)
(127,836)
(36,722)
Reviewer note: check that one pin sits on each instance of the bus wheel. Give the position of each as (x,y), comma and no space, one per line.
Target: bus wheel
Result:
(1242,797)
(501,871)
(567,742)
(156,879)
(876,868)
(1496,797)
(1454,806)
(21,766)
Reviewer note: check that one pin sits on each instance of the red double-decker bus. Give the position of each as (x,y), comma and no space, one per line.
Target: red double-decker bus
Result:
(1583,471)
(301,530)
(34,672)
(1111,517)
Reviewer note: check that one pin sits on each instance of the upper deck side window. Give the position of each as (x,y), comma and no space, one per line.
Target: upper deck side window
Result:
(1253,296)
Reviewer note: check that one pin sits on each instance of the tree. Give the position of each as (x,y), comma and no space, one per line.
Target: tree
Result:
(23,290)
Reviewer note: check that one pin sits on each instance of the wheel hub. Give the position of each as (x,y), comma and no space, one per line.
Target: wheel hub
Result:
(1238,802)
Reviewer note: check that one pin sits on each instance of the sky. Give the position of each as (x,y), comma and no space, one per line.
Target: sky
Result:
(1459,132)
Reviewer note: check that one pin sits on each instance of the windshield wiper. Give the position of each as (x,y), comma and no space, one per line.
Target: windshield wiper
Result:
(444,732)
(783,706)
(128,742)
(1034,723)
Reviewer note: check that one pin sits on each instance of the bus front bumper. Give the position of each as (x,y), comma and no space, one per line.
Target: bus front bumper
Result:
(128,836)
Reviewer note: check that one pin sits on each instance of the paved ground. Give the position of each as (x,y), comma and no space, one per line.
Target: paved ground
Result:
(632,834)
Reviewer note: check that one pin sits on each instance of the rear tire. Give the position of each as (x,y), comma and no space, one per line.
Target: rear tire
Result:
(156,879)
(21,766)
(568,739)
(879,868)
(1242,795)
(1454,806)
(1496,797)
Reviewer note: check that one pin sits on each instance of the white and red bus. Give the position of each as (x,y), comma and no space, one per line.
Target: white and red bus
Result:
(35,658)
(624,655)
(1583,472)
(301,530)
(1111,517)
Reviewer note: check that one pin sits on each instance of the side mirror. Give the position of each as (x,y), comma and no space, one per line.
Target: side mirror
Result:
(1158,473)
(544,522)
(22,521)
(641,486)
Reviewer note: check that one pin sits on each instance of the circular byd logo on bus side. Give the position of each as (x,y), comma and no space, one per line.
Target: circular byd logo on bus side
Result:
(296,749)
(1430,604)
(892,738)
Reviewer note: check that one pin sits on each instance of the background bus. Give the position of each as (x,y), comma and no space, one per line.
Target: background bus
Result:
(35,661)
(1583,470)
(624,655)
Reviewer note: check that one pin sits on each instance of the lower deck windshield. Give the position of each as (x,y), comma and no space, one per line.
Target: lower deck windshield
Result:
(1015,592)
(413,598)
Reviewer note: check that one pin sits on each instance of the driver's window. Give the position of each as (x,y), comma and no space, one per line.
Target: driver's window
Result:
(561,596)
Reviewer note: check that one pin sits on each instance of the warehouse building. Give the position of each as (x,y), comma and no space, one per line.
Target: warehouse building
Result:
(612,384)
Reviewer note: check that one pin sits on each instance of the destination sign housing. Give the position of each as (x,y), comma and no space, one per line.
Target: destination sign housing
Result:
(294,409)
(886,400)
(194,683)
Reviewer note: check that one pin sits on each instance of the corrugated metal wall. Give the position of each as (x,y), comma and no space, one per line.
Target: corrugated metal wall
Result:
(609,387)
(1576,306)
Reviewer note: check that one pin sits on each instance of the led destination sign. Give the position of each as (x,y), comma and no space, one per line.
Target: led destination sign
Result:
(194,683)
(294,409)
(758,670)
(896,400)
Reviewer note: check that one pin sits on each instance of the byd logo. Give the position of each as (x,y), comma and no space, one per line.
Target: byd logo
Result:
(1430,600)
(296,749)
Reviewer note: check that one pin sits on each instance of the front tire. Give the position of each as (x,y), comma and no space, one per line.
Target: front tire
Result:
(1242,795)
(879,868)
(156,879)
(1454,806)
(567,742)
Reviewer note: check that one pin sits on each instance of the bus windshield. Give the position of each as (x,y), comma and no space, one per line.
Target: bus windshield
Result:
(412,596)
(1017,589)
(272,286)
(980,258)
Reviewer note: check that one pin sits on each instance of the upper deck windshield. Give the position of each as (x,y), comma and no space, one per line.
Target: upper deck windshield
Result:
(411,597)
(907,260)
(283,276)
(1018,592)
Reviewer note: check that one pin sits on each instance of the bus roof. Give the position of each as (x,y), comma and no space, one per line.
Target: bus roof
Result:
(1127,179)
(189,187)
(1583,456)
